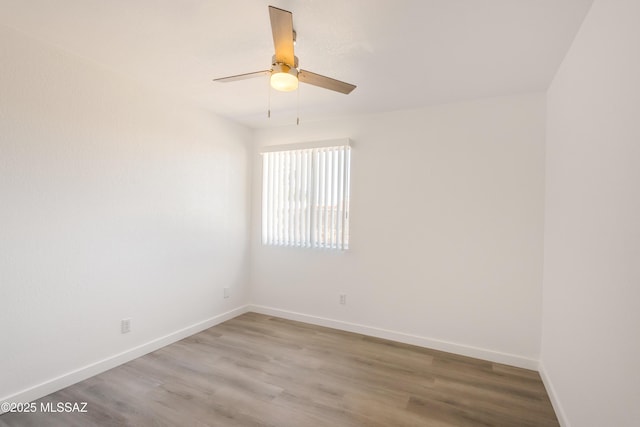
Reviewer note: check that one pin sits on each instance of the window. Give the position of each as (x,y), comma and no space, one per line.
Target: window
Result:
(305,197)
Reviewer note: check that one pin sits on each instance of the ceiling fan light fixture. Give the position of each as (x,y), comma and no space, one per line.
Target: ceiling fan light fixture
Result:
(284,78)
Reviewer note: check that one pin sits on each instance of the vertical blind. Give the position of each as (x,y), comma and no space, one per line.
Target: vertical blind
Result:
(305,197)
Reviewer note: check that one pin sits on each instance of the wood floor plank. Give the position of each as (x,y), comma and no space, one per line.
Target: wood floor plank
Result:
(258,370)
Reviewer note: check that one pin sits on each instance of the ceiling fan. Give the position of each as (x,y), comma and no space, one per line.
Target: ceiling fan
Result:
(284,70)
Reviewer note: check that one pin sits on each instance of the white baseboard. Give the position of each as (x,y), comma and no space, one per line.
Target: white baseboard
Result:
(553,396)
(50,386)
(465,350)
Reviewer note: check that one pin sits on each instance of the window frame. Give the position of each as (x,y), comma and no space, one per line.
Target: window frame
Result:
(317,222)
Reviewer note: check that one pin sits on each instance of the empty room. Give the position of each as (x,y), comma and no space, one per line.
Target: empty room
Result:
(320,213)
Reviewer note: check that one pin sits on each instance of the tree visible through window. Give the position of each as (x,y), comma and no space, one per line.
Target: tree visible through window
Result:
(305,197)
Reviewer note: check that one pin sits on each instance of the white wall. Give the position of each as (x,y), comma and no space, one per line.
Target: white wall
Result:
(115,202)
(591,316)
(447,225)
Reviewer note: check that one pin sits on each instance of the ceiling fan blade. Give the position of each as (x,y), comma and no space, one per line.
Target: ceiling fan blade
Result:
(242,76)
(282,29)
(325,82)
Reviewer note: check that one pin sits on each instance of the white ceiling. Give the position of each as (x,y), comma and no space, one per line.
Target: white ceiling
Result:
(401,53)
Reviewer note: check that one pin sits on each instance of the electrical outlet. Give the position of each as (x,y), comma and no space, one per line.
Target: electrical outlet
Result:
(343,299)
(125,326)
(227,292)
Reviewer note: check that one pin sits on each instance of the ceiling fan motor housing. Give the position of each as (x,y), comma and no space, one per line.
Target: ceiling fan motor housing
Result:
(275,62)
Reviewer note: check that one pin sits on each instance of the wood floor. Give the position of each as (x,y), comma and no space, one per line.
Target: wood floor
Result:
(257,370)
